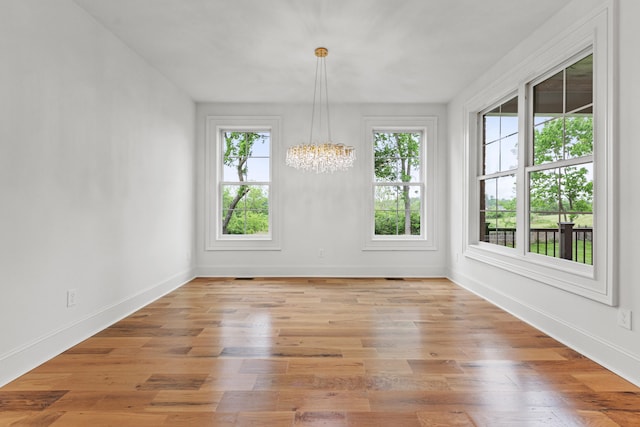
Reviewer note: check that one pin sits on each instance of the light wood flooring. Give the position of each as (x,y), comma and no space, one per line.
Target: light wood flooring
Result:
(320,352)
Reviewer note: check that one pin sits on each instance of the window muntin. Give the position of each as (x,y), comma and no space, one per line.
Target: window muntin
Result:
(560,171)
(497,180)
(398,184)
(244,185)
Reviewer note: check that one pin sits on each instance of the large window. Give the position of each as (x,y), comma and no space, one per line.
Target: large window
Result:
(398,183)
(401,153)
(240,192)
(560,170)
(541,165)
(244,188)
(559,166)
(497,180)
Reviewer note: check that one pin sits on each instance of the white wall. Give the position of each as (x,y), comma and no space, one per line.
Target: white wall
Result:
(322,211)
(96,181)
(585,325)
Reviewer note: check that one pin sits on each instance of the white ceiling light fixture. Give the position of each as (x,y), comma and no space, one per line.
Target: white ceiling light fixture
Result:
(321,157)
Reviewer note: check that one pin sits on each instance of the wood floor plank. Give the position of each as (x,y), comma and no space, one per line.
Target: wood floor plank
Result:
(320,352)
(29,400)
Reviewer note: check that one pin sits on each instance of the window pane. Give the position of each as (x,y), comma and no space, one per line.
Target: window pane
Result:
(491,221)
(506,193)
(509,153)
(500,138)
(544,193)
(397,210)
(397,170)
(391,169)
(483,216)
(579,134)
(548,140)
(492,125)
(386,210)
(386,223)
(511,106)
(387,169)
(258,169)
(245,209)
(491,158)
(490,194)
(498,211)
(508,125)
(580,84)
(576,192)
(509,118)
(397,156)
(506,211)
(548,96)
(252,169)
(261,148)
(239,149)
(562,196)
(230,172)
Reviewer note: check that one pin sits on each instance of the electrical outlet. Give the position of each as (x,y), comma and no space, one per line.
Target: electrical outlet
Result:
(624,318)
(72,296)
(320,253)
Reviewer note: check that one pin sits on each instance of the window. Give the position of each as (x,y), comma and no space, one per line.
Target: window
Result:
(560,170)
(497,180)
(244,189)
(401,164)
(541,165)
(240,193)
(398,183)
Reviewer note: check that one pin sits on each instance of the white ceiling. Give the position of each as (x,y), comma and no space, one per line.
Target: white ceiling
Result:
(379,50)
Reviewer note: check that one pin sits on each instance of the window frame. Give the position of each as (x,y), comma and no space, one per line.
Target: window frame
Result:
(427,127)
(530,166)
(592,35)
(215,127)
(481,176)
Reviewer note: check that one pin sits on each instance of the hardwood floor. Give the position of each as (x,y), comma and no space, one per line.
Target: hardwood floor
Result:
(320,352)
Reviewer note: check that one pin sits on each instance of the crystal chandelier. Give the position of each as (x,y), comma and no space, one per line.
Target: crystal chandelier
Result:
(327,156)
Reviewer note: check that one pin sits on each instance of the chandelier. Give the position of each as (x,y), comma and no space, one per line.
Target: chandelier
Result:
(325,156)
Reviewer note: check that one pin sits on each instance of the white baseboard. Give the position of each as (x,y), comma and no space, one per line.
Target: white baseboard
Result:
(601,351)
(21,360)
(319,271)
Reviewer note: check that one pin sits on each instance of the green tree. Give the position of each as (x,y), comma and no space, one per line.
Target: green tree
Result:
(238,149)
(396,158)
(568,189)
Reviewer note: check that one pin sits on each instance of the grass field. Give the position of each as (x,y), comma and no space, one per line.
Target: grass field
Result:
(582,255)
(551,221)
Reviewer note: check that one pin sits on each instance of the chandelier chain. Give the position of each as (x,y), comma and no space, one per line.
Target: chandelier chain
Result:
(313,107)
(326,98)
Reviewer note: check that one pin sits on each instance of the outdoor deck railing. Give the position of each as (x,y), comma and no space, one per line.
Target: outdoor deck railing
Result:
(563,242)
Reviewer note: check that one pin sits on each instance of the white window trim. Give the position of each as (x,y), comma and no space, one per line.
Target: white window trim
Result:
(215,241)
(595,282)
(428,126)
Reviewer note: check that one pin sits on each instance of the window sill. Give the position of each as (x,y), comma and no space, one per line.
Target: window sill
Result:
(572,277)
(243,245)
(399,245)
